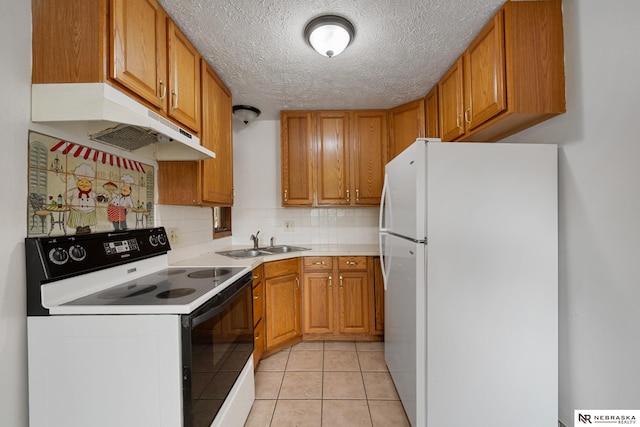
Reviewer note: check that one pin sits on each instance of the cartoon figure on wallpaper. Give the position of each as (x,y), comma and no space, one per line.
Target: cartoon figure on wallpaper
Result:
(81,200)
(117,210)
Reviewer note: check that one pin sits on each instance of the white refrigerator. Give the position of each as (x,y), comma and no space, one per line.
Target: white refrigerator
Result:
(469,248)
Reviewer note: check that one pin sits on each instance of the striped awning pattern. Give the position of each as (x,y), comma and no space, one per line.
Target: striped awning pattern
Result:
(77,150)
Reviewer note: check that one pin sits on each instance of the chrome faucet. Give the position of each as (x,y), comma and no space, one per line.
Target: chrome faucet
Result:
(254,237)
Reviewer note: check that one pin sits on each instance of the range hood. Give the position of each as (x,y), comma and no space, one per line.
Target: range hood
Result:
(104,114)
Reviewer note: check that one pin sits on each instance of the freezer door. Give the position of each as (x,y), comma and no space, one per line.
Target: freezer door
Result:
(405,323)
(405,203)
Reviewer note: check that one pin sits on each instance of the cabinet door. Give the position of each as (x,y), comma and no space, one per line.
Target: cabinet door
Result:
(450,97)
(217,174)
(317,291)
(332,158)
(296,140)
(368,156)
(282,313)
(484,74)
(354,302)
(406,123)
(139,50)
(184,79)
(431,113)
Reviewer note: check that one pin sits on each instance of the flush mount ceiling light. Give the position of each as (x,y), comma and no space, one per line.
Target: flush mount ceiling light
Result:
(329,34)
(245,113)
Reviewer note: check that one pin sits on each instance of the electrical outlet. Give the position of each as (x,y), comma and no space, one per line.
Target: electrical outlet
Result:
(173,235)
(289,225)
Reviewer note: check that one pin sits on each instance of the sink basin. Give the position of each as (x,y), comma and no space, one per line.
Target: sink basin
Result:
(283,249)
(244,253)
(252,253)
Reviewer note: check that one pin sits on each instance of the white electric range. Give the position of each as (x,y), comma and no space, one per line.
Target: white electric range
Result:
(118,337)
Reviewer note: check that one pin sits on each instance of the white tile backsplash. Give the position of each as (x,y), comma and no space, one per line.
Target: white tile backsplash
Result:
(310,225)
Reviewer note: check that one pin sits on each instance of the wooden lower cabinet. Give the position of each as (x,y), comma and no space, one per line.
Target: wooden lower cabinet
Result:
(337,297)
(377,325)
(282,304)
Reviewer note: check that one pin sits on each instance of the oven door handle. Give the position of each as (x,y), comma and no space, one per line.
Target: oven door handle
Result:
(221,301)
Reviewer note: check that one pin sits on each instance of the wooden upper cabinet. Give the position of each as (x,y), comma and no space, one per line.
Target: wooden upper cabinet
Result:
(138,42)
(406,123)
(130,44)
(484,74)
(184,79)
(451,102)
(296,139)
(217,174)
(369,137)
(204,182)
(332,158)
(432,125)
(510,77)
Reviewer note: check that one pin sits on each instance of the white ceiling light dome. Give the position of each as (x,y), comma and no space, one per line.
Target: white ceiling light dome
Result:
(246,113)
(329,35)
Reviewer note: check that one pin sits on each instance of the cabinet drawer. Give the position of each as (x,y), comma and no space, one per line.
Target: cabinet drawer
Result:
(318,263)
(258,303)
(258,273)
(258,343)
(281,268)
(352,263)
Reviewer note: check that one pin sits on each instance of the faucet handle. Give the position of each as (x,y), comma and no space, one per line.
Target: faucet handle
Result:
(271,241)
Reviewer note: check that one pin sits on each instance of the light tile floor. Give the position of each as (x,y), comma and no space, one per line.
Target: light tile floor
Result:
(332,383)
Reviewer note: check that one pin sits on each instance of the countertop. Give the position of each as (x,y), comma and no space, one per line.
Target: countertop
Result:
(216,260)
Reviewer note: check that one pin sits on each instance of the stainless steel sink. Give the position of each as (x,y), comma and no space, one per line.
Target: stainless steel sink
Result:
(244,253)
(252,253)
(283,249)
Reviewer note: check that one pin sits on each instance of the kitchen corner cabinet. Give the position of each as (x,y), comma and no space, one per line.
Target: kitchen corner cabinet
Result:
(510,77)
(336,296)
(282,304)
(344,153)
(296,139)
(204,182)
(406,123)
(432,125)
(132,45)
(258,314)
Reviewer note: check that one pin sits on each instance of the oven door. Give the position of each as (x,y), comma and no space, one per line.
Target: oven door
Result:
(217,341)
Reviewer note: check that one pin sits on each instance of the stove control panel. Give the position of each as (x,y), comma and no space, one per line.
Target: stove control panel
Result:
(66,256)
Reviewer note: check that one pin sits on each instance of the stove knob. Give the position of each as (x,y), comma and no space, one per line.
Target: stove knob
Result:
(162,238)
(77,252)
(153,240)
(58,256)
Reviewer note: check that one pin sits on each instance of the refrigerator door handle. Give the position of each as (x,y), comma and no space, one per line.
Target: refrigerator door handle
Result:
(382,230)
(383,198)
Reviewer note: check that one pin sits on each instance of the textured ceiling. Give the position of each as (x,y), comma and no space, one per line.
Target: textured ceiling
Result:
(400,50)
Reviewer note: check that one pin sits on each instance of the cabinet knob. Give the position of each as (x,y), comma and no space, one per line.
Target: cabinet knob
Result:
(256,277)
(256,296)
